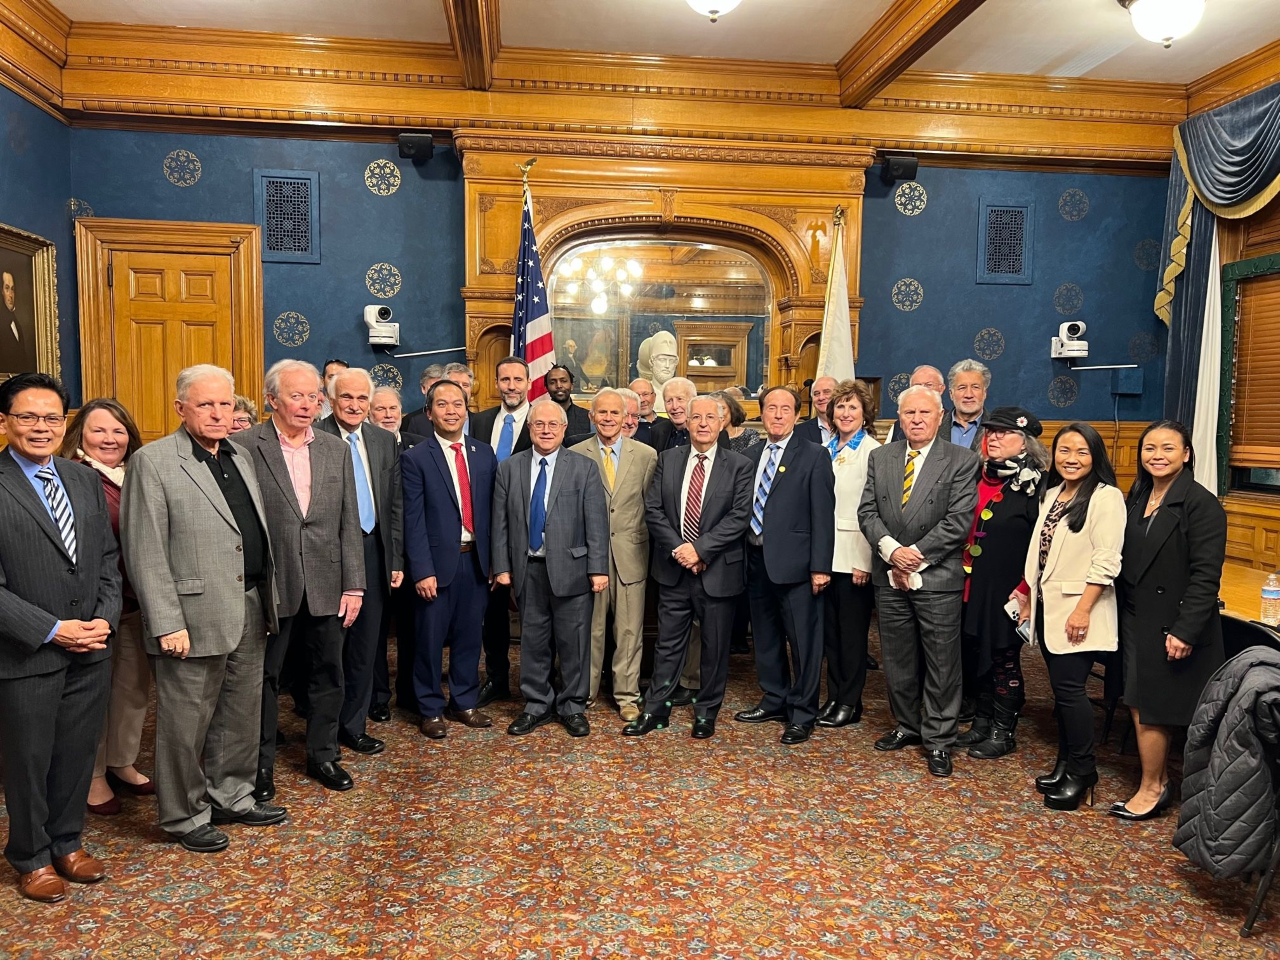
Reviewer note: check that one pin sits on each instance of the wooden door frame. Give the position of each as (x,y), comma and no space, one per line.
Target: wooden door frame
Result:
(96,239)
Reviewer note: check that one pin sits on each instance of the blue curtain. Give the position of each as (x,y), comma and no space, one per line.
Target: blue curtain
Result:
(1186,309)
(1233,153)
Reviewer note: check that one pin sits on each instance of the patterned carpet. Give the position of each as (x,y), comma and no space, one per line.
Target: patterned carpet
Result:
(542,847)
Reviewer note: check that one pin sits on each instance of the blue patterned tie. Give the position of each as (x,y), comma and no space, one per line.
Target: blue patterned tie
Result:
(364,496)
(762,491)
(538,507)
(507,438)
(59,509)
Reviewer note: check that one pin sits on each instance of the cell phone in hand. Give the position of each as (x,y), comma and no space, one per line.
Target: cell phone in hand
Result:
(1024,631)
(1012,609)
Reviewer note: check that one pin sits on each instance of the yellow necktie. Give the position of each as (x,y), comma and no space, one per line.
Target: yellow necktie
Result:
(608,467)
(910,476)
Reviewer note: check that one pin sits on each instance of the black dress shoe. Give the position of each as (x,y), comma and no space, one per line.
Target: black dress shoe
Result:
(1049,782)
(760,715)
(576,724)
(940,763)
(895,739)
(259,815)
(796,733)
(329,775)
(1122,810)
(280,741)
(380,713)
(364,744)
(683,696)
(527,723)
(491,691)
(703,728)
(264,788)
(737,647)
(841,716)
(205,838)
(872,663)
(645,724)
(828,708)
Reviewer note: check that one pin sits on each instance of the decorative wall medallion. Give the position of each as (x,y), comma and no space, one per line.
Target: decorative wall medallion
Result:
(292,329)
(910,198)
(386,375)
(382,177)
(897,383)
(907,294)
(78,208)
(182,168)
(487,201)
(817,274)
(989,343)
(1146,255)
(1143,347)
(1068,299)
(1073,204)
(505,267)
(383,280)
(1063,391)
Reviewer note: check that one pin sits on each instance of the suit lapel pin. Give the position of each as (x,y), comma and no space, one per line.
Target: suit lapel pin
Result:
(782,469)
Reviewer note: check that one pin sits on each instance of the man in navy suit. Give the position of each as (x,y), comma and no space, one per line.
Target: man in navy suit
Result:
(448,492)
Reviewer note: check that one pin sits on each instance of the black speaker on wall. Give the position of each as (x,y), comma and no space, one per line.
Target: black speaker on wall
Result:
(416,146)
(898,166)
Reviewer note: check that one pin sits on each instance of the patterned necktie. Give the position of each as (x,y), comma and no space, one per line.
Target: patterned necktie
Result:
(762,491)
(693,503)
(60,509)
(507,438)
(538,507)
(464,488)
(609,475)
(364,495)
(909,477)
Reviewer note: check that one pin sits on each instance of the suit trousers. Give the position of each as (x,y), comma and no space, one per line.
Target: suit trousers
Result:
(497,635)
(785,614)
(402,603)
(50,725)
(845,622)
(452,619)
(553,627)
(130,690)
(1069,677)
(627,602)
(916,626)
(207,728)
(678,607)
(360,647)
(321,640)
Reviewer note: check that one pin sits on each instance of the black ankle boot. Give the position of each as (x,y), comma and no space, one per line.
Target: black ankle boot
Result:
(1071,791)
(979,732)
(1049,782)
(1000,742)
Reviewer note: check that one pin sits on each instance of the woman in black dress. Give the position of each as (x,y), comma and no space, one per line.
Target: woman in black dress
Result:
(1174,547)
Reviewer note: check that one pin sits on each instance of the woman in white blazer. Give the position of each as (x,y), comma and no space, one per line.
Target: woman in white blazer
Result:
(848,601)
(1068,595)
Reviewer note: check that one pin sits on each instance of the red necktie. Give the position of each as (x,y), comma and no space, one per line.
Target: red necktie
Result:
(464,488)
(693,505)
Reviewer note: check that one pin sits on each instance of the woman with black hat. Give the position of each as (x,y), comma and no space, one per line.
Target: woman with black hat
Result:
(1008,506)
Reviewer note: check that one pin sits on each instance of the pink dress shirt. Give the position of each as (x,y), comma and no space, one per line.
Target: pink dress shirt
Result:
(298,462)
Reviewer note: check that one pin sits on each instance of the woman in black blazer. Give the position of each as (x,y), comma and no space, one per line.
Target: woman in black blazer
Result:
(1174,547)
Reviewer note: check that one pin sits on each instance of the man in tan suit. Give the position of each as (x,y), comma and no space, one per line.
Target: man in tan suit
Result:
(626,467)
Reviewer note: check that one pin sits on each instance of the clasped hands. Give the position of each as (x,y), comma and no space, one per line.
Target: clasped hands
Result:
(687,557)
(82,636)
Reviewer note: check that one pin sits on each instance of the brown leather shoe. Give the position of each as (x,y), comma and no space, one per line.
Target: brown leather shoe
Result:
(434,727)
(80,867)
(629,712)
(470,718)
(43,885)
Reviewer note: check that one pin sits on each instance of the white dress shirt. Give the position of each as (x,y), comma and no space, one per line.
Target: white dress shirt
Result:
(887,544)
(688,475)
(521,414)
(364,458)
(535,466)
(466,536)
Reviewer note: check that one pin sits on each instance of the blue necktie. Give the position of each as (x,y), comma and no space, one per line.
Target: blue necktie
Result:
(762,491)
(507,438)
(364,496)
(538,507)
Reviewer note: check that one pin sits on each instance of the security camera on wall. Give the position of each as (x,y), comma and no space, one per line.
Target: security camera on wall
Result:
(1069,344)
(382,332)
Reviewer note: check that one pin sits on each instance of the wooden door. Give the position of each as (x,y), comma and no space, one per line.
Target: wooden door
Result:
(494,345)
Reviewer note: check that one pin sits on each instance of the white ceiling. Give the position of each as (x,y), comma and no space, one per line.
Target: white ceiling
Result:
(1094,38)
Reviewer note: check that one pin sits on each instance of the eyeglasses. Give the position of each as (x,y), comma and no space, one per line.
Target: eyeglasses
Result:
(31,419)
(242,421)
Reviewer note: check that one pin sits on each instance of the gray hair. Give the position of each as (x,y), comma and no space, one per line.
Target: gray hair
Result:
(202,371)
(434,371)
(969,366)
(718,397)
(276,372)
(541,401)
(918,389)
(357,371)
(642,380)
(245,405)
(629,396)
(684,383)
(927,366)
(387,388)
(721,408)
(1037,452)
(458,368)
(610,392)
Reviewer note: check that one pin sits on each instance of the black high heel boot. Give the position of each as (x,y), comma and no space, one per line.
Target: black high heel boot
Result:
(1071,791)
(1000,742)
(1051,781)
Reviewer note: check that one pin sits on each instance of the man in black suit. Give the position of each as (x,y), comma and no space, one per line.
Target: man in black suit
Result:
(817,429)
(697,510)
(59,604)
(559,381)
(790,545)
(381,505)
(17,331)
(666,433)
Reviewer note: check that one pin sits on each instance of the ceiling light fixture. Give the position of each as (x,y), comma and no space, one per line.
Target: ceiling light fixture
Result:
(715,9)
(1164,21)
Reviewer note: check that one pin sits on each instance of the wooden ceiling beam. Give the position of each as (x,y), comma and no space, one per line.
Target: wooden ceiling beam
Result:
(897,40)
(476,31)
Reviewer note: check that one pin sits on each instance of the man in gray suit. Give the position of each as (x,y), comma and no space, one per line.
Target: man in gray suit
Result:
(381,503)
(195,545)
(59,604)
(551,545)
(313,521)
(916,512)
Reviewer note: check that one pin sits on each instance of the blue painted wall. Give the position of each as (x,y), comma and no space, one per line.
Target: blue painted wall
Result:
(1096,231)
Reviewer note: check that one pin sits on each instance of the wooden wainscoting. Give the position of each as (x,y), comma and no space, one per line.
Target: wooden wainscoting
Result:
(1253,529)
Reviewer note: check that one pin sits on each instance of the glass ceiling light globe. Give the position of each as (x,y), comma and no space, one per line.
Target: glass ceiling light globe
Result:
(622,275)
(572,289)
(566,269)
(577,264)
(634,268)
(597,286)
(591,274)
(626,289)
(1164,21)
(599,305)
(607,263)
(715,9)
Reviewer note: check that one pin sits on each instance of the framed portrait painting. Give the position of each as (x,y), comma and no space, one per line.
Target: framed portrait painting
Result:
(28,304)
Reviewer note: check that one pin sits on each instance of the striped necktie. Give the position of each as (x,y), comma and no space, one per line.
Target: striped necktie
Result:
(762,491)
(909,477)
(692,525)
(60,509)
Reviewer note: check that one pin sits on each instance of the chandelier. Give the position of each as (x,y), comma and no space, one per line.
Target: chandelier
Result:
(715,9)
(600,280)
(1164,21)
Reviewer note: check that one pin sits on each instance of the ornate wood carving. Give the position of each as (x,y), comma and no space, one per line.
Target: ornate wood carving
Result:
(476,29)
(784,215)
(1237,79)
(544,208)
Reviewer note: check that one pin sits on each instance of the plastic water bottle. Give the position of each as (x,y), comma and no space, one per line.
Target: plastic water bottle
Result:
(1271,601)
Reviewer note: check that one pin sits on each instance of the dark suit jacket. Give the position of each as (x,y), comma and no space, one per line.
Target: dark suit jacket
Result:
(410,440)
(726,511)
(799,516)
(432,514)
(660,432)
(944,432)
(39,585)
(579,422)
(388,495)
(643,429)
(810,430)
(482,429)
(17,354)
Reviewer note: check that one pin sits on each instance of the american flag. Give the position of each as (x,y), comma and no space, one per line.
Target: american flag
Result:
(531,322)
